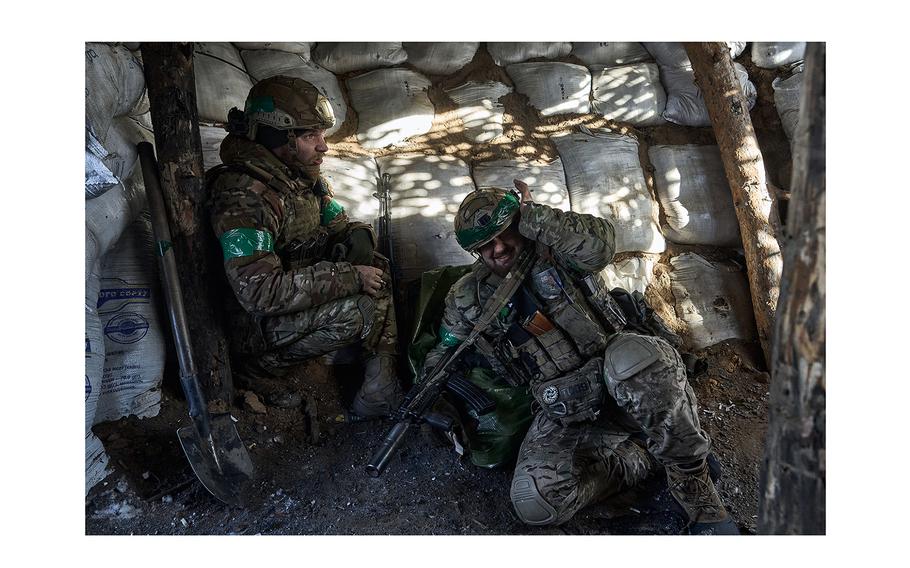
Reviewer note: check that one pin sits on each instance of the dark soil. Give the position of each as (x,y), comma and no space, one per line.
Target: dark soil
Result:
(310,476)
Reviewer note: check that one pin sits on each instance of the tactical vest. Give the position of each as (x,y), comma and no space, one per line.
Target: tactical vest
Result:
(301,238)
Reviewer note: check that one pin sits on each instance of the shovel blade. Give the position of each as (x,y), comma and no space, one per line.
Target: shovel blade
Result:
(222,464)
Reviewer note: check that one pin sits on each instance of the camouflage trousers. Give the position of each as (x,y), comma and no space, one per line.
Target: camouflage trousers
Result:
(562,468)
(299,336)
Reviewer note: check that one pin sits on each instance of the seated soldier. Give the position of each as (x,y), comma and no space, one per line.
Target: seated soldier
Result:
(306,279)
(612,407)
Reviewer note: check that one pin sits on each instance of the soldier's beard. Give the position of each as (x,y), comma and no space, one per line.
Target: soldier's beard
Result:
(311,172)
(500,264)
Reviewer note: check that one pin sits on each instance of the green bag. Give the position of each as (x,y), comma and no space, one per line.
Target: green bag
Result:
(493,439)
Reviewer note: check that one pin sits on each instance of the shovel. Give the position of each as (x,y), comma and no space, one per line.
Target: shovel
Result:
(211,444)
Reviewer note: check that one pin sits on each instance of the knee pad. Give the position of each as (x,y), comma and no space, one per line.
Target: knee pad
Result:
(628,355)
(529,504)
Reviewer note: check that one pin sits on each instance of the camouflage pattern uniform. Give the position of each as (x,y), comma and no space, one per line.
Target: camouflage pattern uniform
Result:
(293,302)
(596,391)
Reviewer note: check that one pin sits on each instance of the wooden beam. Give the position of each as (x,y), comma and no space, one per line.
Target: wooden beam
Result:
(792,485)
(171,88)
(745,171)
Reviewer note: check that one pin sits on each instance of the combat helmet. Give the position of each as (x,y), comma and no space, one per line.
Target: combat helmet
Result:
(287,103)
(483,215)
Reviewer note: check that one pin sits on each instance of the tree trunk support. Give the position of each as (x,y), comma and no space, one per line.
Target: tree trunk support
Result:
(171,88)
(743,164)
(792,484)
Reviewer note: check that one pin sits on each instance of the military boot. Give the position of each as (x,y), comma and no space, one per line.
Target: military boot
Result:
(380,394)
(695,492)
(272,385)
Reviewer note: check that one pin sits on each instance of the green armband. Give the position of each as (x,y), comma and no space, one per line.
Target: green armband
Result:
(238,243)
(331,210)
(447,338)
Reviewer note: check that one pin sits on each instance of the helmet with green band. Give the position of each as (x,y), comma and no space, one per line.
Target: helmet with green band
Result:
(287,103)
(483,215)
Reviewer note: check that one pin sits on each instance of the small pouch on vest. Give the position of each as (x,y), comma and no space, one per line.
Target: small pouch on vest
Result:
(574,397)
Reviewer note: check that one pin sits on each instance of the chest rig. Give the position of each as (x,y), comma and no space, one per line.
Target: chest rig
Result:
(552,334)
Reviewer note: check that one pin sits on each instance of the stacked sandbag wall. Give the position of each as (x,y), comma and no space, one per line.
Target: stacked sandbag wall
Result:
(617,129)
(124,346)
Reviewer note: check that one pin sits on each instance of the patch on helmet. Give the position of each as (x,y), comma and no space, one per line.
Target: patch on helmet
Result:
(261,104)
(484,219)
(550,394)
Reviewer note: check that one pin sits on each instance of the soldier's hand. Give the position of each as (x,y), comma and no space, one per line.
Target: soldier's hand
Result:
(371,278)
(525,191)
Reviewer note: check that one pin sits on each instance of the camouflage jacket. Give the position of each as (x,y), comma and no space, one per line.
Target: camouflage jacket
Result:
(569,246)
(275,227)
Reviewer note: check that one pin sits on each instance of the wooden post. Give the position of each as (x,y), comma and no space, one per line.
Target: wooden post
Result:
(745,170)
(171,88)
(792,485)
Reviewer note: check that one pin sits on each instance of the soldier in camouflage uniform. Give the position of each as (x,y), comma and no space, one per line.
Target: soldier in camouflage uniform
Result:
(307,280)
(612,407)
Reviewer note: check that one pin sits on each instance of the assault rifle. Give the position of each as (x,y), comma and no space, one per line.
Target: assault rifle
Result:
(415,408)
(384,220)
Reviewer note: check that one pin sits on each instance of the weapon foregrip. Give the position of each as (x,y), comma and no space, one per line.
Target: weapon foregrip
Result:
(390,443)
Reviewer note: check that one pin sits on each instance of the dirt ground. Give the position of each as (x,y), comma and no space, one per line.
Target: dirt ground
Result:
(310,476)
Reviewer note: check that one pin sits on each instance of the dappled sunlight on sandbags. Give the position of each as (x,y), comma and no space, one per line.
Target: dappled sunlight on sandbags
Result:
(769,55)
(695,195)
(712,298)
(505,53)
(685,103)
(440,58)
(553,88)
(354,181)
(221,81)
(426,192)
(547,181)
(604,177)
(479,108)
(392,105)
(631,94)
(265,63)
(344,57)
(610,54)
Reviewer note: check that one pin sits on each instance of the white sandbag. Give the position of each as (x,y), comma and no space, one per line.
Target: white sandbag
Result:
(114,85)
(107,216)
(211,138)
(605,178)
(440,58)
(631,274)
(547,181)
(553,88)
(392,105)
(133,336)
(673,54)
(300,48)
(786,100)
(98,177)
(685,103)
(267,63)
(96,459)
(771,54)
(221,81)
(479,108)
(610,54)
(354,181)
(631,94)
(426,192)
(117,148)
(693,190)
(344,57)
(712,298)
(506,53)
